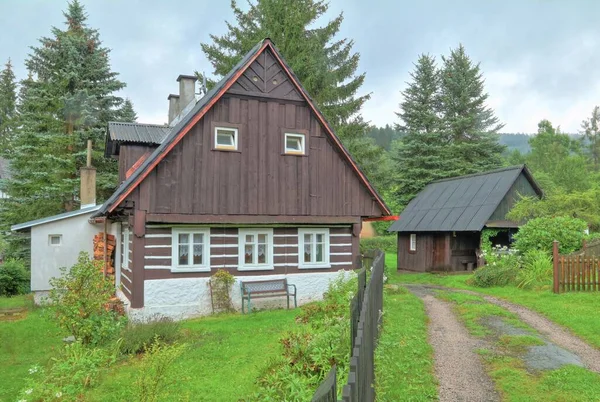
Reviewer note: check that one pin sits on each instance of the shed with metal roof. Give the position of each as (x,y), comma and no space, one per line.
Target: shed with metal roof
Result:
(441,227)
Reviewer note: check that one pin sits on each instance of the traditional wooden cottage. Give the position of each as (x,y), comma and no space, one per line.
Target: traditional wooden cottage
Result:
(440,229)
(249,178)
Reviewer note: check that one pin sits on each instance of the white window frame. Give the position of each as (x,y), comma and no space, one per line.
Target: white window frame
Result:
(289,151)
(242,266)
(126,237)
(205,266)
(235,139)
(326,251)
(50,236)
(412,243)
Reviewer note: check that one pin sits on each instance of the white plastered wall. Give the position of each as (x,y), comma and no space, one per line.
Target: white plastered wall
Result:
(190,297)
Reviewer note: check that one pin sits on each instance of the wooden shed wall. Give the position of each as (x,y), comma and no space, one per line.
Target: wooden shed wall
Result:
(521,187)
(422,259)
(258,179)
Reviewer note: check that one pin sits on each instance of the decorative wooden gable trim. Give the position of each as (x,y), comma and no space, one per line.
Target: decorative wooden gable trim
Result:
(176,135)
(266,78)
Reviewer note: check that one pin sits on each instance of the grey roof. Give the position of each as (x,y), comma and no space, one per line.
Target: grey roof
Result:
(204,101)
(463,203)
(136,132)
(58,217)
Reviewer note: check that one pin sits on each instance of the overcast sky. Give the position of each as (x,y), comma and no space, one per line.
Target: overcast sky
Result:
(540,58)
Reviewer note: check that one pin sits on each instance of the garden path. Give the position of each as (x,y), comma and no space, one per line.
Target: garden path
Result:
(460,372)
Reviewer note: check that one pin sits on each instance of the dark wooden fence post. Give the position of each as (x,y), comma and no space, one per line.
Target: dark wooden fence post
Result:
(555,266)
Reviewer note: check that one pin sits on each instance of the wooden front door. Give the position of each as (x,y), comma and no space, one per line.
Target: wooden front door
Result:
(439,251)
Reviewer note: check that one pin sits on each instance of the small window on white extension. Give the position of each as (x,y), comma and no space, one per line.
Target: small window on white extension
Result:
(294,144)
(226,138)
(413,242)
(255,249)
(190,249)
(314,248)
(54,240)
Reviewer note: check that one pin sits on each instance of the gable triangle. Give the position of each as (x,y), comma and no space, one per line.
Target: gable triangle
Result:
(266,78)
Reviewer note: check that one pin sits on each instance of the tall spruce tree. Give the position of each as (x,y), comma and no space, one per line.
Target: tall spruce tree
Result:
(421,156)
(325,65)
(470,126)
(67,99)
(127,112)
(591,133)
(8,106)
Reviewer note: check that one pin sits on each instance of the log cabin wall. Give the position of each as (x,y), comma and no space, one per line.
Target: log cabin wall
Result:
(224,252)
(258,178)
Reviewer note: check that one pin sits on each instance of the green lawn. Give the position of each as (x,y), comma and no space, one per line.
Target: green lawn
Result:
(404,358)
(24,343)
(225,357)
(578,311)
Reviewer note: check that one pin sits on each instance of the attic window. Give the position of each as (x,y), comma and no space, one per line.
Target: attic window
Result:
(54,240)
(294,144)
(226,138)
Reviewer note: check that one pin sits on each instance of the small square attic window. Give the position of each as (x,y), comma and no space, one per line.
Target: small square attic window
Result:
(226,138)
(54,240)
(294,144)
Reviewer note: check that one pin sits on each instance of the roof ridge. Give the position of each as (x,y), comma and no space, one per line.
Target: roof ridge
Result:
(504,169)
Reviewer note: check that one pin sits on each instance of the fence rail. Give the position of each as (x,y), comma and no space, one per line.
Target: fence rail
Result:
(576,271)
(365,315)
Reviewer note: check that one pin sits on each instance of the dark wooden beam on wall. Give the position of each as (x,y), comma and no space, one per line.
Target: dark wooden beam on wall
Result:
(139,243)
(250,219)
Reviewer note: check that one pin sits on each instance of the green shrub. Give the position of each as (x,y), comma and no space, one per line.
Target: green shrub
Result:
(389,244)
(76,369)
(156,371)
(14,279)
(309,351)
(501,271)
(536,270)
(81,298)
(135,338)
(220,290)
(539,233)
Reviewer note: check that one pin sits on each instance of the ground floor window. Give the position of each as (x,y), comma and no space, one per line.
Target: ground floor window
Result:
(255,249)
(191,249)
(413,242)
(314,248)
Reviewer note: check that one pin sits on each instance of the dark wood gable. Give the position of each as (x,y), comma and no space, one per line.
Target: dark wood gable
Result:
(265,77)
(522,187)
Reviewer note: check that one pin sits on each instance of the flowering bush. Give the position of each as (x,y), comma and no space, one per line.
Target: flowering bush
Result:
(501,269)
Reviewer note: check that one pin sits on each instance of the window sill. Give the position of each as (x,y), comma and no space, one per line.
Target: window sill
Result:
(294,154)
(320,266)
(227,150)
(190,269)
(257,268)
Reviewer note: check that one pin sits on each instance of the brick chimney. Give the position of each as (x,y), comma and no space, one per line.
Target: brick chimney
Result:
(87,194)
(174,107)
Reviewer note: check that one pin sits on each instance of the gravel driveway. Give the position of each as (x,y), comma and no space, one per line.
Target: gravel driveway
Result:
(458,368)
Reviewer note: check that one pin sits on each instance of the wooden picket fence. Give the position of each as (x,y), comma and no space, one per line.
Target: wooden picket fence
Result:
(578,271)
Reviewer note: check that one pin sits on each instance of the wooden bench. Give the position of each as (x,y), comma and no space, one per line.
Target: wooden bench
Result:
(264,289)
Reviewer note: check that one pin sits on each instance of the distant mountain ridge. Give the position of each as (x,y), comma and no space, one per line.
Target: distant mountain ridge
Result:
(384,136)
